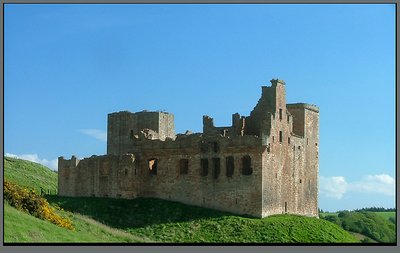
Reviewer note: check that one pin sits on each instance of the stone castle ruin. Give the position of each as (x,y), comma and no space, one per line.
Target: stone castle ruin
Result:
(263,164)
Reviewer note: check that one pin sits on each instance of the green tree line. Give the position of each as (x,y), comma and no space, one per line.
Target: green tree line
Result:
(366,223)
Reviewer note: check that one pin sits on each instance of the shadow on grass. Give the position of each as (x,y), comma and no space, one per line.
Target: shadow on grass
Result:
(133,213)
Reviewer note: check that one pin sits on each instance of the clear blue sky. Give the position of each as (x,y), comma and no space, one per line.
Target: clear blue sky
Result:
(68,66)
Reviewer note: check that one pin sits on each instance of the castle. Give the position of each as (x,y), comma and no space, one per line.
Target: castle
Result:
(263,164)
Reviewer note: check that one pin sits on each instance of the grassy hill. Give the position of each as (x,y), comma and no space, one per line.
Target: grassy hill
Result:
(22,227)
(30,175)
(145,220)
(167,221)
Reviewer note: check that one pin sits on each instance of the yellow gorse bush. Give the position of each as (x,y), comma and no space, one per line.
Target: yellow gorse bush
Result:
(30,202)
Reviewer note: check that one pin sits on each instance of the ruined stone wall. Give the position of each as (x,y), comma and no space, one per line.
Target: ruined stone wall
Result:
(236,193)
(98,176)
(272,98)
(166,125)
(225,131)
(117,176)
(66,177)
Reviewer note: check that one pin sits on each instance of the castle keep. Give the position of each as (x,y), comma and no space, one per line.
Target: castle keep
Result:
(263,164)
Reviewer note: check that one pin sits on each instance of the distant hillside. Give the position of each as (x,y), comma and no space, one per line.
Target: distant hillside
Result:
(30,175)
(379,226)
(144,220)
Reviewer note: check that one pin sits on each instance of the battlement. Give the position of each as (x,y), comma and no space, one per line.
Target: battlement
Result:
(65,163)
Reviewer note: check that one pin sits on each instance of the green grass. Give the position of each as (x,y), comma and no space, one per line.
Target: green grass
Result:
(30,175)
(386,215)
(22,227)
(226,229)
(166,221)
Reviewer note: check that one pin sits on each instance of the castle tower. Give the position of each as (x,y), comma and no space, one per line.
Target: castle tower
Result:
(306,125)
(125,127)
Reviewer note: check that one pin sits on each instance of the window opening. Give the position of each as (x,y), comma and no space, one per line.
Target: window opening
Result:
(215,147)
(230,166)
(153,164)
(203,147)
(216,167)
(246,165)
(184,166)
(204,167)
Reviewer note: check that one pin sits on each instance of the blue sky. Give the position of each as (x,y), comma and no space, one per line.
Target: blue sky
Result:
(68,66)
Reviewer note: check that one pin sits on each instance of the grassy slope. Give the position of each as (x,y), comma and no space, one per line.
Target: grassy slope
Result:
(29,174)
(167,221)
(275,229)
(22,227)
(386,215)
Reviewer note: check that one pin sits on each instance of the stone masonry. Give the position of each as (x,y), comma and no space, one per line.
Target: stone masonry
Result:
(263,164)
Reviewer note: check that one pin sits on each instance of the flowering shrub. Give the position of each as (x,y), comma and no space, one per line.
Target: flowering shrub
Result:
(30,202)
